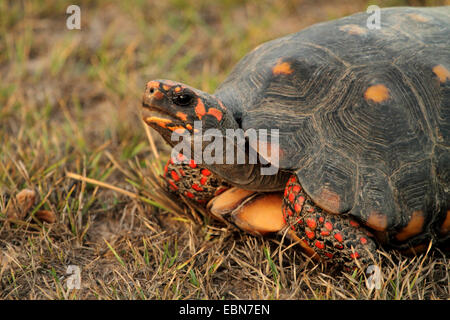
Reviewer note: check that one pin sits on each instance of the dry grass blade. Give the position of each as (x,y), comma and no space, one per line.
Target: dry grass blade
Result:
(116,189)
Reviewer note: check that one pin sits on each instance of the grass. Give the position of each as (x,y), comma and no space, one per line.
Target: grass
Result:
(68,118)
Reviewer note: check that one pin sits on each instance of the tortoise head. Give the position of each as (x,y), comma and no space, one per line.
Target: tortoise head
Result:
(175,107)
(176,110)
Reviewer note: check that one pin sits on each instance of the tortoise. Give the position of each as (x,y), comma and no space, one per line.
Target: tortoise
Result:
(358,131)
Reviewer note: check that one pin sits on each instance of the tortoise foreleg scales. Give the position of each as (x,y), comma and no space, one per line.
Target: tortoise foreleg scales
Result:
(337,238)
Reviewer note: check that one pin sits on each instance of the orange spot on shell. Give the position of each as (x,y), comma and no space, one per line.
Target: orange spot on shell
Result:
(166,87)
(418,17)
(353,29)
(377,221)
(377,93)
(177,89)
(215,113)
(445,227)
(442,73)
(282,68)
(328,200)
(413,227)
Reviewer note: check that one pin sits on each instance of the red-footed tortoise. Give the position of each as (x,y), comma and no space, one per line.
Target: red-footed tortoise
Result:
(363,118)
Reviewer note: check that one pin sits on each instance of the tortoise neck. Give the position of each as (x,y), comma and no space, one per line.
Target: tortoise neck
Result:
(233,104)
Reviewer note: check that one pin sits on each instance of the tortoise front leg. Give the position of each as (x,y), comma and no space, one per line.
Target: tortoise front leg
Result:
(337,238)
(190,180)
(253,212)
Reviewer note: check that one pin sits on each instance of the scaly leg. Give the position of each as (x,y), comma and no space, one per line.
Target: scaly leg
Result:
(338,238)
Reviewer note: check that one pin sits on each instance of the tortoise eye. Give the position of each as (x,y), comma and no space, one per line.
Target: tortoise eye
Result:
(183,98)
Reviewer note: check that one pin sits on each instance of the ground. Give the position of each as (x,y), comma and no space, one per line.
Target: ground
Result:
(69,108)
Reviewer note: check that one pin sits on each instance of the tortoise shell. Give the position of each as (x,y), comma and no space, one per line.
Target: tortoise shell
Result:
(363,116)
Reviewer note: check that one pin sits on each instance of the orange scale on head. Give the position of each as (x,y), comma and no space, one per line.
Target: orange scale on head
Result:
(181,115)
(161,122)
(215,113)
(200,110)
(153,84)
(158,95)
